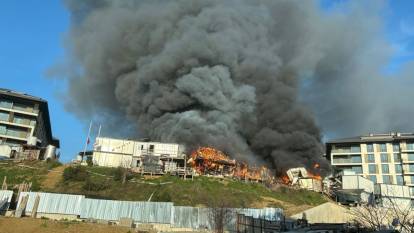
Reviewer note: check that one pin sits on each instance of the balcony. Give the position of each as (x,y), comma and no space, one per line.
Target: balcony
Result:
(346,159)
(18,108)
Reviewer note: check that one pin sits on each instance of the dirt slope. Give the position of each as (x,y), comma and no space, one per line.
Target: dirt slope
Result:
(53,177)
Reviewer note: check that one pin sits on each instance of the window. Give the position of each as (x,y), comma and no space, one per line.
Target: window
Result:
(357,169)
(372,168)
(384,158)
(412,179)
(410,146)
(410,157)
(397,158)
(5,104)
(398,168)
(4,116)
(383,147)
(370,148)
(3,129)
(370,158)
(22,120)
(396,147)
(373,178)
(411,167)
(355,149)
(386,179)
(151,147)
(356,159)
(400,180)
(23,107)
(385,168)
(412,191)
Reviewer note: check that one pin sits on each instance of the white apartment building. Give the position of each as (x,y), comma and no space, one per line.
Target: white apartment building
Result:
(382,158)
(24,120)
(110,152)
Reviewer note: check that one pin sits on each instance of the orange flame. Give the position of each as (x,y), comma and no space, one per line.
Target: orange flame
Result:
(314,176)
(285,179)
(207,160)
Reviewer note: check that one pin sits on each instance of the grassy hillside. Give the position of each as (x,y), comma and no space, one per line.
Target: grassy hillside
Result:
(105,183)
(28,171)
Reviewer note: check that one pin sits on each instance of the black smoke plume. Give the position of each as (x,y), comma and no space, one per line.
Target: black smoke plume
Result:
(236,75)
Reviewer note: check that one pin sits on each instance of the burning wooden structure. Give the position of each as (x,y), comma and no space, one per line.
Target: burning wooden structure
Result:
(210,161)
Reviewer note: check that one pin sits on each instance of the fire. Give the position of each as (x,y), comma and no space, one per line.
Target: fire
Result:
(207,160)
(285,179)
(313,176)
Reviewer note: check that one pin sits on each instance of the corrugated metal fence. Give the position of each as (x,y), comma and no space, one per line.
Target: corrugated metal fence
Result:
(53,203)
(140,212)
(145,212)
(5,199)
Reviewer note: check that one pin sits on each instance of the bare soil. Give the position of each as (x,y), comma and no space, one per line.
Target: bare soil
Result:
(53,177)
(30,225)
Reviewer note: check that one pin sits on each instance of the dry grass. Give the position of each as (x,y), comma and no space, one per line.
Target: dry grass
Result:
(26,225)
(53,177)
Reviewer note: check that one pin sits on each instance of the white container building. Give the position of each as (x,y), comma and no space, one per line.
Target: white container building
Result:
(110,152)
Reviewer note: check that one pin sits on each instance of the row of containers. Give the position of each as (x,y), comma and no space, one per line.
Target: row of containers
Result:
(66,206)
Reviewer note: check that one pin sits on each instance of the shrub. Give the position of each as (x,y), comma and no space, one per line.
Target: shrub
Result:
(119,173)
(95,184)
(75,173)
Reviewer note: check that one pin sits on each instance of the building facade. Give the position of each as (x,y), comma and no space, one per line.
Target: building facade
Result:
(110,152)
(382,158)
(24,120)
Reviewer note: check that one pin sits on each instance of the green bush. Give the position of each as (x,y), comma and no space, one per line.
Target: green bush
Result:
(51,163)
(75,173)
(95,184)
(119,172)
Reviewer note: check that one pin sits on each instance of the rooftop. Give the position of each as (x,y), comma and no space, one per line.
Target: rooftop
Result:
(16,94)
(393,136)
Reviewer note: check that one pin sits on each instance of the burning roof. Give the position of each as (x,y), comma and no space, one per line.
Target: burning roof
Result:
(208,160)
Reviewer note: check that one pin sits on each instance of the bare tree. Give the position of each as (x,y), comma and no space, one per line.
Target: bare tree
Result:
(392,213)
(220,214)
(371,217)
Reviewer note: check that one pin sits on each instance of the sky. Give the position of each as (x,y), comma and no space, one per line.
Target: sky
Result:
(32,41)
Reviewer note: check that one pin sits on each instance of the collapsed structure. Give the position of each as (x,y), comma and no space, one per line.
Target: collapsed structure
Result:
(25,128)
(302,178)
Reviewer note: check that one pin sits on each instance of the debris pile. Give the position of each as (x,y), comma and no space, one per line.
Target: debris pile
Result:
(302,178)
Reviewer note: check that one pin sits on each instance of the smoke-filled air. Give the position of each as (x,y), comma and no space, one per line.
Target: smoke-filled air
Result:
(260,80)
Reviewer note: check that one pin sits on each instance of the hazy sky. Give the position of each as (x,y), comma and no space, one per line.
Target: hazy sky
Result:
(32,41)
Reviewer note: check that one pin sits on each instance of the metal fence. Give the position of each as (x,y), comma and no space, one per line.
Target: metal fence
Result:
(248,224)
(140,212)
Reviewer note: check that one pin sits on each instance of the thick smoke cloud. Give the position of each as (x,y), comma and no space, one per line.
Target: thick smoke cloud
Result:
(236,75)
